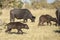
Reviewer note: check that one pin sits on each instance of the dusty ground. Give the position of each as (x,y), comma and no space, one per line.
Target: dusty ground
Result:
(35,32)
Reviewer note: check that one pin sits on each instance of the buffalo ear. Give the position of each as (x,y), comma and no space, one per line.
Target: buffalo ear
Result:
(33,17)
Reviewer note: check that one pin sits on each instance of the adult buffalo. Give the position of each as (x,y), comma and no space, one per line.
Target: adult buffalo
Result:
(21,14)
(58,16)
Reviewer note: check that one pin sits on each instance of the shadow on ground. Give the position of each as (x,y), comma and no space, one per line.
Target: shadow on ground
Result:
(57,31)
(16,33)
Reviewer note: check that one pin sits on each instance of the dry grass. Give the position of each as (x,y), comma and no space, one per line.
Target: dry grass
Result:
(35,32)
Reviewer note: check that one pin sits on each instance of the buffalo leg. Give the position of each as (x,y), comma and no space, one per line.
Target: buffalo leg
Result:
(47,23)
(19,31)
(12,20)
(8,30)
(25,20)
(43,23)
(50,23)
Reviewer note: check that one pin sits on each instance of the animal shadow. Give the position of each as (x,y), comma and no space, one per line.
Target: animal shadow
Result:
(16,33)
(57,31)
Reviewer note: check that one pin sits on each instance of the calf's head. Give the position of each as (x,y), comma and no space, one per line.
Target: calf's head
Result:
(25,26)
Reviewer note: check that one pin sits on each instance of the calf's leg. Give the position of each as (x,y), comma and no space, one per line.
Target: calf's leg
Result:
(8,30)
(19,31)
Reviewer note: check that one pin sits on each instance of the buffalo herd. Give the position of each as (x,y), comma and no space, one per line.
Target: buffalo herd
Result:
(25,14)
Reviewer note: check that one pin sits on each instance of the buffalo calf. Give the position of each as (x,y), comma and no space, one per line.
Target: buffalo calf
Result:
(16,25)
(46,18)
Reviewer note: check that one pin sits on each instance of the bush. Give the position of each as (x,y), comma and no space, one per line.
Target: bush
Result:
(20,5)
